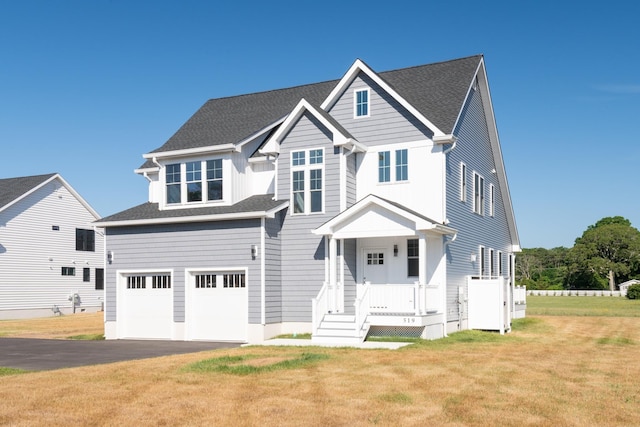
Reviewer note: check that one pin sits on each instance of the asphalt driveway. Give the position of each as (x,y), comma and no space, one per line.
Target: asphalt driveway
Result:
(42,354)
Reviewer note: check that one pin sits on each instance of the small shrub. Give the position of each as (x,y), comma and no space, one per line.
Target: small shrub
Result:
(634,291)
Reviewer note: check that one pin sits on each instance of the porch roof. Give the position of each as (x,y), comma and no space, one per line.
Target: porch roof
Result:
(374,216)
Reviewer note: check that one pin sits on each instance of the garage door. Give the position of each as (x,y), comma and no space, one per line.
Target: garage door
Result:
(217,308)
(147,306)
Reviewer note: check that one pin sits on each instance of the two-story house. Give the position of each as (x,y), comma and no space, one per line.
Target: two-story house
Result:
(51,254)
(376,204)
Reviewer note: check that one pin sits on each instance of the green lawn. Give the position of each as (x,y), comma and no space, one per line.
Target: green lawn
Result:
(583,306)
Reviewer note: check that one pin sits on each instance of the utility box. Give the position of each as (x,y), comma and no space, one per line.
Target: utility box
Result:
(488,305)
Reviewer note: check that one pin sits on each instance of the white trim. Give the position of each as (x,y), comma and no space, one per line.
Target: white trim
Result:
(213,149)
(347,79)
(263,275)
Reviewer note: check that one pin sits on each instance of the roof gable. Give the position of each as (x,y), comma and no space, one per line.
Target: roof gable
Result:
(12,190)
(435,93)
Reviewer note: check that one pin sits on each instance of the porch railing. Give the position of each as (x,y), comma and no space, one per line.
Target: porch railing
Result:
(319,306)
(399,298)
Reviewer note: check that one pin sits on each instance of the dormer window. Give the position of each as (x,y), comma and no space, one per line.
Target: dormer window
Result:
(185,182)
(361,103)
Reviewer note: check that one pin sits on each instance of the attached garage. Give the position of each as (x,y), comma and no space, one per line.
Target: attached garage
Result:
(146,306)
(217,305)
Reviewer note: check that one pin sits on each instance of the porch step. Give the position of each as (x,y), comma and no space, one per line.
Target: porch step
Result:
(339,329)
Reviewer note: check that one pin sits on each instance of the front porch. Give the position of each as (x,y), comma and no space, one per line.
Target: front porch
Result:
(400,309)
(391,281)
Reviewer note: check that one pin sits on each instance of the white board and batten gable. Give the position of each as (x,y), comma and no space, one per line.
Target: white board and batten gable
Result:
(51,254)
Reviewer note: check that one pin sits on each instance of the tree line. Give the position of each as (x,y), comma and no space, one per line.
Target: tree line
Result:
(607,253)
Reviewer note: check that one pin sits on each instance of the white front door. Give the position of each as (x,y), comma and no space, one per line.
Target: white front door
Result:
(375,265)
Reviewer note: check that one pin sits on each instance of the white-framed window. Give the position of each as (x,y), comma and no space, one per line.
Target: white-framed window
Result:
(361,103)
(463,182)
(483,261)
(307,181)
(492,263)
(478,194)
(384,166)
(187,184)
(413,258)
(500,264)
(400,164)
(492,199)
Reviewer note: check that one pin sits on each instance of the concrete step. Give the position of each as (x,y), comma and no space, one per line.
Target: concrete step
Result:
(349,318)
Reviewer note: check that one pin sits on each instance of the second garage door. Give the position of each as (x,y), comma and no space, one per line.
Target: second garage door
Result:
(217,306)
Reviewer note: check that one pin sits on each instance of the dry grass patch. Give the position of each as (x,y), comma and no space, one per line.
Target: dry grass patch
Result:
(568,371)
(88,324)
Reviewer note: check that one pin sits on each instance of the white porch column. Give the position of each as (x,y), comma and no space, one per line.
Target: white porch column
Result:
(333,264)
(422,271)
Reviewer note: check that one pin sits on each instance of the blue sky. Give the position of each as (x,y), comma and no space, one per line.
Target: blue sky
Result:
(87,87)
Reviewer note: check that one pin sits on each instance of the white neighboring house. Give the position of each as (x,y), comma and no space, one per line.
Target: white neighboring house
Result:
(51,254)
(624,287)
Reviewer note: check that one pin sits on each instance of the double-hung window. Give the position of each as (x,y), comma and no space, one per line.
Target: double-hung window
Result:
(492,199)
(85,240)
(463,182)
(194,182)
(361,103)
(306,181)
(413,258)
(173,178)
(186,182)
(401,165)
(478,194)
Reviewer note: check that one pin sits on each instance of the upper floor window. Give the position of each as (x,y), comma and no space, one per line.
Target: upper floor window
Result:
(361,103)
(492,199)
(85,240)
(384,166)
(306,181)
(478,194)
(401,165)
(187,184)
(173,176)
(463,182)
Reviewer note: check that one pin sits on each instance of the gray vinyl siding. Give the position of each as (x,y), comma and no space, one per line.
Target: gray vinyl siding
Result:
(225,244)
(273,288)
(350,254)
(474,149)
(32,254)
(389,122)
(303,265)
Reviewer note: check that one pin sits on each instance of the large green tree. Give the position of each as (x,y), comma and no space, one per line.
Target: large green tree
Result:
(608,251)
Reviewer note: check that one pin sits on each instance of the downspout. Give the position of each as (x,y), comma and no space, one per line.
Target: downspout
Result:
(263,279)
(454,142)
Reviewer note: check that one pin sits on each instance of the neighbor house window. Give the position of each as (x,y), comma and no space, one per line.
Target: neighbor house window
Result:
(85,240)
(384,166)
(194,182)
(463,182)
(478,194)
(186,182)
(413,258)
(402,165)
(500,266)
(68,271)
(362,103)
(306,181)
(483,262)
(86,274)
(173,183)
(492,263)
(99,279)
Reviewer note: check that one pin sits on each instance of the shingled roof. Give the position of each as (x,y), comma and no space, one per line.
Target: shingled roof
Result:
(436,90)
(251,207)
(14,188)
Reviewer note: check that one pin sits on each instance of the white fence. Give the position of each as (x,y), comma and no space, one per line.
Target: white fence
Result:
(574,293)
